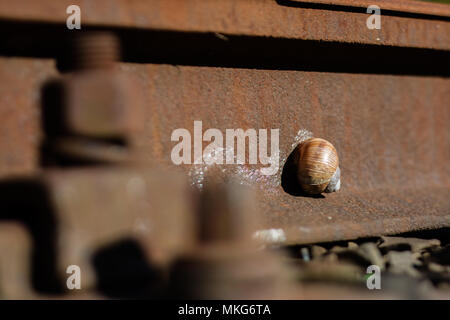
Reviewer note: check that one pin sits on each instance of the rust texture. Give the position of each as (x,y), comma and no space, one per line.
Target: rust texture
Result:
(389,126)
(96,208)
(250,17)
(390,131)
(98,109)
(15,249)
(410,6)
(224,262)
(391,134)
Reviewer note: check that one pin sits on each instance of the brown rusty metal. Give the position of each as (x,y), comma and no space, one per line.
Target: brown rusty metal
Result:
(283,19)
(390,130)
(389,124)
(21,129)
(73,215)
(99,207)
(15,262)
(96,50)
(418,7)
(99,108)
(225,263)
(70,215)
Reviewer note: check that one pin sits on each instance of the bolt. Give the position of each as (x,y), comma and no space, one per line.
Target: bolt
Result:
(96,50)
(100,110)
(226,213)
(225,263)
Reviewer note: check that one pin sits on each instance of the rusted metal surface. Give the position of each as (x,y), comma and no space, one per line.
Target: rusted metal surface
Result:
(405,263)
(390,131)
(20,112)
(99,207)
(224,262)
(90,114)
(251,17)
(411,6)
(71,215)
(389,126)
(15,266)
(83,210)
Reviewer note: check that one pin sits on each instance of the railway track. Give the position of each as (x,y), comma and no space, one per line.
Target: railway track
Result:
(81,186)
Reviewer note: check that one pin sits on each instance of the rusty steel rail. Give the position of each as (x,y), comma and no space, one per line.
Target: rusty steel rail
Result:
(393,146)
(389,127)
(409,6)
(405,23)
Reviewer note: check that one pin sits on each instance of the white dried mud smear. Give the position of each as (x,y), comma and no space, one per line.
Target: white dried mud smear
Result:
(270,236)
(302,135)
(245,174)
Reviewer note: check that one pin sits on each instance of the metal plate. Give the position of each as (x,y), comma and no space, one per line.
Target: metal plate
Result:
(417,7)
(268,18)
(390,131)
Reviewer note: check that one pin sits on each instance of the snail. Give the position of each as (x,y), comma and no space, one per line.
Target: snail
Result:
(318,166)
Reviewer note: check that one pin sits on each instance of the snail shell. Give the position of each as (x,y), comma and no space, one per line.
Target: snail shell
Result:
(318,166)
